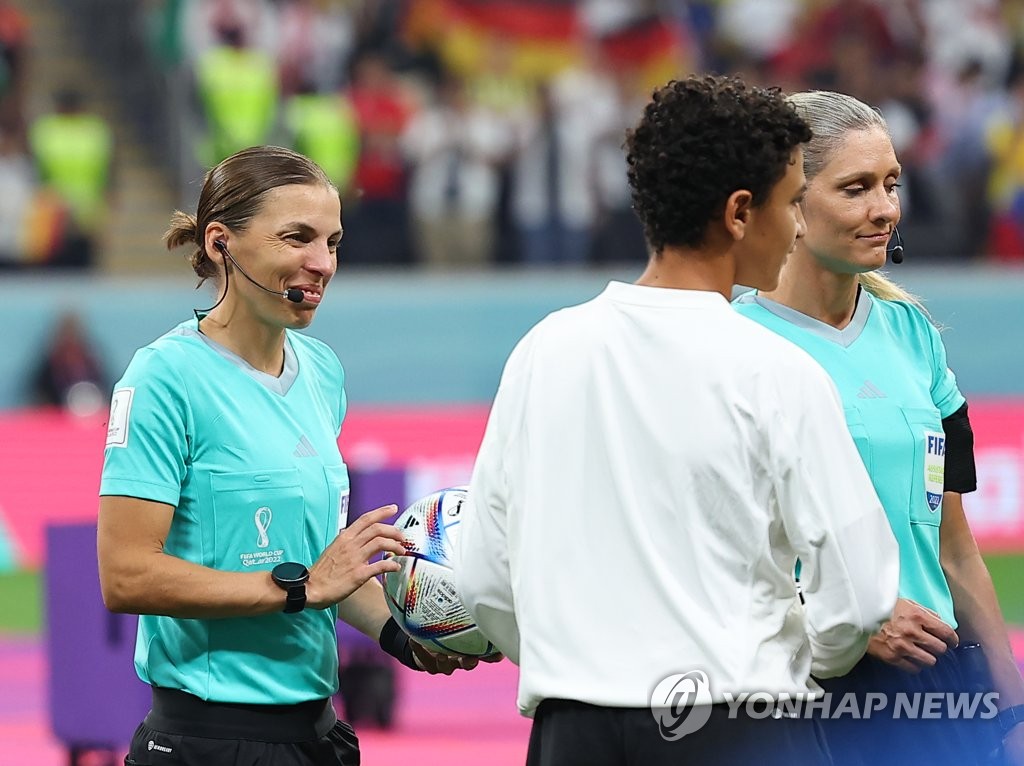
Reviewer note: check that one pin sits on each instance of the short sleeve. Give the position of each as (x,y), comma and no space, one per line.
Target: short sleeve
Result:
(945,394)
(335,383)
(148,432)
(342,410)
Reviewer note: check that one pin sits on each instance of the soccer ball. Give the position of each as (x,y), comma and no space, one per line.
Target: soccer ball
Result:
(422,594)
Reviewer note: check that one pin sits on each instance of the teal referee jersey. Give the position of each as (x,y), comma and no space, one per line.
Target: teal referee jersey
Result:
(889,365)
(251,465)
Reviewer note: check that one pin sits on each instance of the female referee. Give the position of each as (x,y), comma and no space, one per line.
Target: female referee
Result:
(910,423)
(224,497)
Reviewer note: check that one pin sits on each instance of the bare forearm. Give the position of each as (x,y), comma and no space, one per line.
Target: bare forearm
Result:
(974,600)
(138,577)
(366,610)
(158,583)
(980,619)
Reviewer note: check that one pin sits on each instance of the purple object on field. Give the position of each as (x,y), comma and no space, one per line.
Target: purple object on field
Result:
(96,699)
(370,489)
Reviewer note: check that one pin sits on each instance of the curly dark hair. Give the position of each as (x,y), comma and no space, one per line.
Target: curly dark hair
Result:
(699,140)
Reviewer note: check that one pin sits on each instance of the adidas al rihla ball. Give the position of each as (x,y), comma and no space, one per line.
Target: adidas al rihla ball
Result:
(422,595)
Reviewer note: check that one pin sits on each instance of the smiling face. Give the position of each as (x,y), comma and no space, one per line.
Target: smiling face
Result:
(852,206)
(291,243)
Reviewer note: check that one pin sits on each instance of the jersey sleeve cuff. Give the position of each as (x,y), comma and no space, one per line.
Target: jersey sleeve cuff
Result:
(158,493)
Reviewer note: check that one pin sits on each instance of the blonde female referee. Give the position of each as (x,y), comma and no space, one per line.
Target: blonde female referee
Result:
(909,419)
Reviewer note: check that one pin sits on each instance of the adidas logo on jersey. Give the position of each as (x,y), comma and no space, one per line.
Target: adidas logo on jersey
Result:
(870,391)
(305,449)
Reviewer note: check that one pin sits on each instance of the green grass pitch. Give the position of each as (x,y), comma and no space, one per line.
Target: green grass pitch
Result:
(21,594)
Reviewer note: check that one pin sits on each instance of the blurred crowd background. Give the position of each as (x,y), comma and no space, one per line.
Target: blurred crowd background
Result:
(474,142)
(465,134)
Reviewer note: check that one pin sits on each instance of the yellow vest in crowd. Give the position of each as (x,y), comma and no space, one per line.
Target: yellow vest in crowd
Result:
(323,127)
(239,91)
(74,153)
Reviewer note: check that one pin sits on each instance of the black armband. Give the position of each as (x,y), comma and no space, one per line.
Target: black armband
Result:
(395,642)
(961,473)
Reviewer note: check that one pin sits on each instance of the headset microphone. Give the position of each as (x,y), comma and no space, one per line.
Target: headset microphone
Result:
(293,294)
(896,253)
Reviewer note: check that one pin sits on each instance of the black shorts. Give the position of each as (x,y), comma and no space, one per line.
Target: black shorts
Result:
(182,729)
(937,736)
(569,733)
(150,746)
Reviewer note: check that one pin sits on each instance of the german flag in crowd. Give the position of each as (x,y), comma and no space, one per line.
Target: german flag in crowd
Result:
(539,37)
(656,51)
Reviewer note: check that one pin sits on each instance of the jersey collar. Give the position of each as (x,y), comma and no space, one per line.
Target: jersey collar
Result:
(845,337)
(279,385)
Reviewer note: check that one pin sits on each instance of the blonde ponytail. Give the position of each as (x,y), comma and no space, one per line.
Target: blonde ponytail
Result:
(883,288)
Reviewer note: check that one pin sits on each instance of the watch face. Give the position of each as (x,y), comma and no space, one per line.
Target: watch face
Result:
(290,571)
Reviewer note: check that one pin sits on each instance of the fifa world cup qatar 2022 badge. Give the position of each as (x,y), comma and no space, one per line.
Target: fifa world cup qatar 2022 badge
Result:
(681,704)
(264,554)
(263,518)
(934,468)
(118,422)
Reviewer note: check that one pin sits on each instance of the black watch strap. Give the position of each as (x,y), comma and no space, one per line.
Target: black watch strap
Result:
(395,642)
(291,577)
(296,599)
(1009,718)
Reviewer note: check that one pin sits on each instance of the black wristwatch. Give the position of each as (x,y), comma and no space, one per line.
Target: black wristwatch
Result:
(1009,718)
(291,577)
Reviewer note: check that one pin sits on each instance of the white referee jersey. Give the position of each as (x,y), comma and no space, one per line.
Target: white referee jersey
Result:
(653,466)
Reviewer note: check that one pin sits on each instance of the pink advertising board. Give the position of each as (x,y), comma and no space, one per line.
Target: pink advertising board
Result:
(50,463)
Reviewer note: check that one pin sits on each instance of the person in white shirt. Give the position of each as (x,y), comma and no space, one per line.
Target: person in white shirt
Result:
(654,466)
(555,199)
(454,148)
